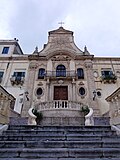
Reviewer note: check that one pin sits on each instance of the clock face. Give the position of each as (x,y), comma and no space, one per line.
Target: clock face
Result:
(95,74)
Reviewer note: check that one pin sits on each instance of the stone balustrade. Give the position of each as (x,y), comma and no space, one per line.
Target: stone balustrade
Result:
(58,104)
(114,104)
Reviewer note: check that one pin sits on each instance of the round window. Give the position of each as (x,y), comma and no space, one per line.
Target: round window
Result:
(98,93)
(82,91)
(39,91)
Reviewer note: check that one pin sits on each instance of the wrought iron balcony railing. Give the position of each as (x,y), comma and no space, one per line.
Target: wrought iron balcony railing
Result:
(17,80)
(109,78)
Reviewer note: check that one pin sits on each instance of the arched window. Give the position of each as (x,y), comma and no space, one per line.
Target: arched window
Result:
(61,71)
(80,73)
(41,73)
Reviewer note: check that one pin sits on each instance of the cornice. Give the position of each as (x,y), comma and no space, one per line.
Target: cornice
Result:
(84,57)
(14,58)
(37,57)
(113,95)
(107,58)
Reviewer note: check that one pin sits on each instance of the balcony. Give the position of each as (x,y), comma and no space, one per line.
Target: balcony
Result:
(17,80)
(109,78)
(60,74)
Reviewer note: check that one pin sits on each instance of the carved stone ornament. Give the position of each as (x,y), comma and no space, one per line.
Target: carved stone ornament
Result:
(61,57)
(88,65)
(60,81)
(80,83)
(33,65)
(40,84)
(95,74)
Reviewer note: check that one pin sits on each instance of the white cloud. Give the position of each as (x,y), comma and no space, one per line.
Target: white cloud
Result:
(94,22)
(6,11)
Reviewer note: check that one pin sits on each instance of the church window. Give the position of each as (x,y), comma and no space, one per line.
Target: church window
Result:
(99,94)
(41,73)
(61,71)
(80,73)
(82,91)
(5,50)
(39,92)
(107,73)
(1,76)
(18,75)
(17,78)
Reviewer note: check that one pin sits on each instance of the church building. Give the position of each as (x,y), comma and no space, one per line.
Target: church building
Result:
(60,80)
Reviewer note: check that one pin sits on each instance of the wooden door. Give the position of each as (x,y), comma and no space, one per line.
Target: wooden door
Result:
(61,93)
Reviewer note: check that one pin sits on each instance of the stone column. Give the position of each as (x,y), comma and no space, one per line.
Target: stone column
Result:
(91,87)
(29,88)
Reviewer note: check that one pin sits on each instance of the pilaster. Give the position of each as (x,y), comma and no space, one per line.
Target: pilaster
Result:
(91,87)
(30,88)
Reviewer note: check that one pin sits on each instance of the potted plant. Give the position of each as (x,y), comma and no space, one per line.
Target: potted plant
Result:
(39,115)
(85,110)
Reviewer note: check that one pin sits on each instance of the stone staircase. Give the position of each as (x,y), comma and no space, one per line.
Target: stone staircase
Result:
(23,142)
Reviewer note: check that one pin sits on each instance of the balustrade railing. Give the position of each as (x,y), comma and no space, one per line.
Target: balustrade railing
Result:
(58,104)
(60,74)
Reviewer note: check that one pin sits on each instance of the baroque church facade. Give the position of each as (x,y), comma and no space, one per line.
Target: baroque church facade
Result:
(59,80)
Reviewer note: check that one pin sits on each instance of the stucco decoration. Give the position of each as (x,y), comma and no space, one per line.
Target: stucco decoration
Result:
(33,65)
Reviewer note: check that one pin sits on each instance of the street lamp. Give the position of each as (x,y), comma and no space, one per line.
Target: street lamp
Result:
(94,95)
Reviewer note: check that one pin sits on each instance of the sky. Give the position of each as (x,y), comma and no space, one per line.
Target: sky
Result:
(95,23)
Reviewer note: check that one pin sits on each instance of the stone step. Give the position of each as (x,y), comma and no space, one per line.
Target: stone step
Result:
(60,152)
(92,138)
(62,128)
(31,137)
(47,133)
(60,159)
(58,144)
(69,137)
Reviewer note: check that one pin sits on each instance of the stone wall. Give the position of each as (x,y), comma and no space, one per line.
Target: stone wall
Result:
(114,103)
(5,102)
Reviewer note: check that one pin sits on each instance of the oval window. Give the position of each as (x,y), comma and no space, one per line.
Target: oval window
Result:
(39,91)
(82,91)
(98,93)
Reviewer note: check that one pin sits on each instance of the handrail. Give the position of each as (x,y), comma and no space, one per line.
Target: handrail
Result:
(32,117)
(89,121)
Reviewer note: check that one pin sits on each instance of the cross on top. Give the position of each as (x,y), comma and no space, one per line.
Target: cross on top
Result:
(61,23)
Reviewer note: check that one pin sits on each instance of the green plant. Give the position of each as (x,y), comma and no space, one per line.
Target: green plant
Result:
(85,110)
(39,115)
